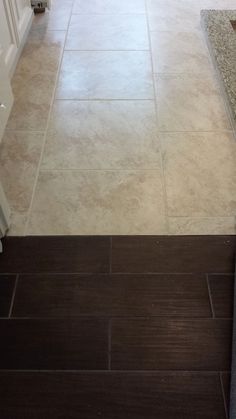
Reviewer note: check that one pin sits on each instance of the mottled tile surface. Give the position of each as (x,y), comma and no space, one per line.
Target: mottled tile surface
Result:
(102,135)
(108,32)
(91,202)
(109,6)
(202,225)
(119,125)
(189,103)
(200,180)
(19,160)
(173,15)
(179,52)
(105,75)
(34,80)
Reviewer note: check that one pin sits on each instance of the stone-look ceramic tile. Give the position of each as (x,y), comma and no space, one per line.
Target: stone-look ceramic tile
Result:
(19,159)
(200,174)
(105,75)
(168,15)
(102,135)
(195,226)
(33,95)
(96,202)
(189,103)
(34,80)
(55,20)
(108,32)
(109,6)
(17,224)
(179,52)
(41,53)
(62,4)
(218,4)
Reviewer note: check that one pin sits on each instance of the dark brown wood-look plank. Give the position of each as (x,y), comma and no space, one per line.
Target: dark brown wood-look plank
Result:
(222,294)
(54,344)
(7,283)
(170,344)
(111,295)
(225,377)
(213,254)
(110,396)
(55,254)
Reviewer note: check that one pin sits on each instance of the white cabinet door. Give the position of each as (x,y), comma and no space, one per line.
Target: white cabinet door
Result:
(7,35)
(6,101)
(15,20)
(22,15)
(6,96)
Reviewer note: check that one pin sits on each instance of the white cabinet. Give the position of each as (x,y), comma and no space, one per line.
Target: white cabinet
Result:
(6,96)
(5,214)
(22,14)
(8,39)
(6,101)
(15,21)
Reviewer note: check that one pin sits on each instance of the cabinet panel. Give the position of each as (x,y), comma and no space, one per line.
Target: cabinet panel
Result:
(6,97)
(7,35)
(22,14)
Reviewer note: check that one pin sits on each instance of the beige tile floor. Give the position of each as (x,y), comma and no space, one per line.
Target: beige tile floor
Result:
(119,126)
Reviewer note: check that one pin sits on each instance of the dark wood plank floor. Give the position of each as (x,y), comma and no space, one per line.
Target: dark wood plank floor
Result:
(116,327)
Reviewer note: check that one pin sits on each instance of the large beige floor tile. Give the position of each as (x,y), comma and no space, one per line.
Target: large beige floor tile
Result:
(102,135)
(61,4)
(174,15)
(105,75)
(96,202)
(54,20)
(33,96)
(108,32)
(18,222)
(218,4)
(109,6)
(19,159)
(189,103)
(179,52)
(34,80)
(42,52)
(205,226)
(200,174)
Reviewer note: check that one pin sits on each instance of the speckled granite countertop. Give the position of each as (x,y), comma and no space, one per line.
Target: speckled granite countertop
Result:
(221,39)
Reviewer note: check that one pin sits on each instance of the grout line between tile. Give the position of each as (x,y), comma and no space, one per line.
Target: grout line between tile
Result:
(146,372)
(47,125)
(110,14)
(172,317)
(24,130)
(111,243)
(13,296)
(106,50)
(210,296)
(109,343)
(201,216)
(103,170)
(164,189)
(146,273)
(108,99)
(223,395)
